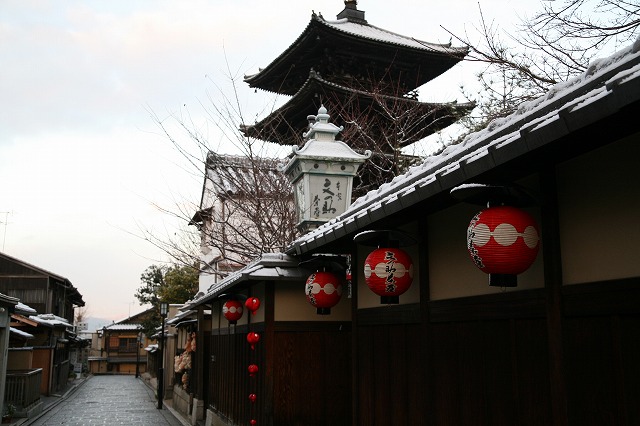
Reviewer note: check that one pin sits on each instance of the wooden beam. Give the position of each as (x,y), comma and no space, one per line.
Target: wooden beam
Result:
(552,259)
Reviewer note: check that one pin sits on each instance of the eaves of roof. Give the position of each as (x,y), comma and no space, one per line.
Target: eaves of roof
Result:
(123,327)
(360,32)
(302,104)
(380,35)
(8,300)
(21,333)
(607,86)
(75,294)
(24,320)
(270,266)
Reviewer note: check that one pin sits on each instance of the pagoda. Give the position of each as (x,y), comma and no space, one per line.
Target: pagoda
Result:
(349,61)
(367,78)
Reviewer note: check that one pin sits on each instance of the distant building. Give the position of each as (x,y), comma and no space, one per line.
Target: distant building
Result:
(229,210)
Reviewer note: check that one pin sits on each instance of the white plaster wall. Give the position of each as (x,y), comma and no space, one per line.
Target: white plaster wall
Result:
(291,304)
(599,203)
(451,271)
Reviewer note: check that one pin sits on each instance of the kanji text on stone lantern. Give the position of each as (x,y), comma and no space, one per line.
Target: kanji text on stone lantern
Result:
(322,173)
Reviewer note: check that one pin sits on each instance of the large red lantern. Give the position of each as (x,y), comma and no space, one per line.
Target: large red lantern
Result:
(388,272)
(503,242)
(323,290)
(232,310)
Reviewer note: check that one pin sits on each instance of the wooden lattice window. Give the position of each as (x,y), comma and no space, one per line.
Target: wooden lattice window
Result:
(114,342)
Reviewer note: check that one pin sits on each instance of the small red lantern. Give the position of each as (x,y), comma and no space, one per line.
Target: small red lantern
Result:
(253,397)
(232,310)
(253,422)
(253,338)
(388,272)
(253,369)
(323,290)
(503,242)
(252,304)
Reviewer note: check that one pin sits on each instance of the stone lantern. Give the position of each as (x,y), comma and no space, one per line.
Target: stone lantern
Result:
(322,172)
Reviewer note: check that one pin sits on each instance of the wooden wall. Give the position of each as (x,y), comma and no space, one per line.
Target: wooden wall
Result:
(229,381)
(312,374)
(486,360)
(306,380)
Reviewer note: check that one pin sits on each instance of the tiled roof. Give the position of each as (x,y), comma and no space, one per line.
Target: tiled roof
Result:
(21,333)
(607,86)
(274,127)
(50,320)
(432,59)
(72,292)
(123,327)
(268,267)
(371,32)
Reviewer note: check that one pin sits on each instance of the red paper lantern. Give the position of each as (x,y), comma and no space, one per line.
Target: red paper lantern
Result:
(253,397)
(252,304)
(253,338)
(388,272)
(503,242)
(253,370)
(323,290)
(232,310)
(253,422)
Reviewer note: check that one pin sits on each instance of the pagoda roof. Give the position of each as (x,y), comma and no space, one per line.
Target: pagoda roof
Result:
(351,46)
(287,124)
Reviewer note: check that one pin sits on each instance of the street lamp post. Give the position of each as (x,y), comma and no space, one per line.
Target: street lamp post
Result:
(164,308)
(138,341)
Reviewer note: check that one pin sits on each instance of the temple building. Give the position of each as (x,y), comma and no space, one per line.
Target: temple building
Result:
(365,76)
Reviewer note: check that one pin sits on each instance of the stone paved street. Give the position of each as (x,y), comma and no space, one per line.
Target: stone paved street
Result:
(109,400)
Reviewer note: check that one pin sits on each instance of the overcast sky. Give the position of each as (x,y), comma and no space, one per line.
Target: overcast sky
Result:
(82,163)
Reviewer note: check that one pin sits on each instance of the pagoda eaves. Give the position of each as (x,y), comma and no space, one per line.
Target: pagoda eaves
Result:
(354,53)
(286,125)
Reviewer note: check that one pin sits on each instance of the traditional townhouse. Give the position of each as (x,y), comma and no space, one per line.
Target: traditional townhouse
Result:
(477,335)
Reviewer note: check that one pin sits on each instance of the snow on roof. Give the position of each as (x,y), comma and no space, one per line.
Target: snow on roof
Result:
(23,309)
(371,32)
(605,87)
(123,327)
(152,348)
(181,315)
(365,31)
(269,266)
(322,143)
(20,333)
(50,320)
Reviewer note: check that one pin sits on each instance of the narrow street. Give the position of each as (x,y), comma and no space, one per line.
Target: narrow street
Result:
(108,400)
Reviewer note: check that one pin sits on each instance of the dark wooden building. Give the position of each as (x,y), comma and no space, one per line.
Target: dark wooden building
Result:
(54,298)
(560,348)
(44,291)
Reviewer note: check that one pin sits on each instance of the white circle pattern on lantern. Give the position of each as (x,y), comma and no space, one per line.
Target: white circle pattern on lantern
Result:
(381,270)
(232,309)
(505,234)
(328,288)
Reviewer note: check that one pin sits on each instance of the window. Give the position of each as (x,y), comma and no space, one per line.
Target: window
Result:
(128,344)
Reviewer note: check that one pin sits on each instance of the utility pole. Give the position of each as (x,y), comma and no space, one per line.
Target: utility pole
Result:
(6,222)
